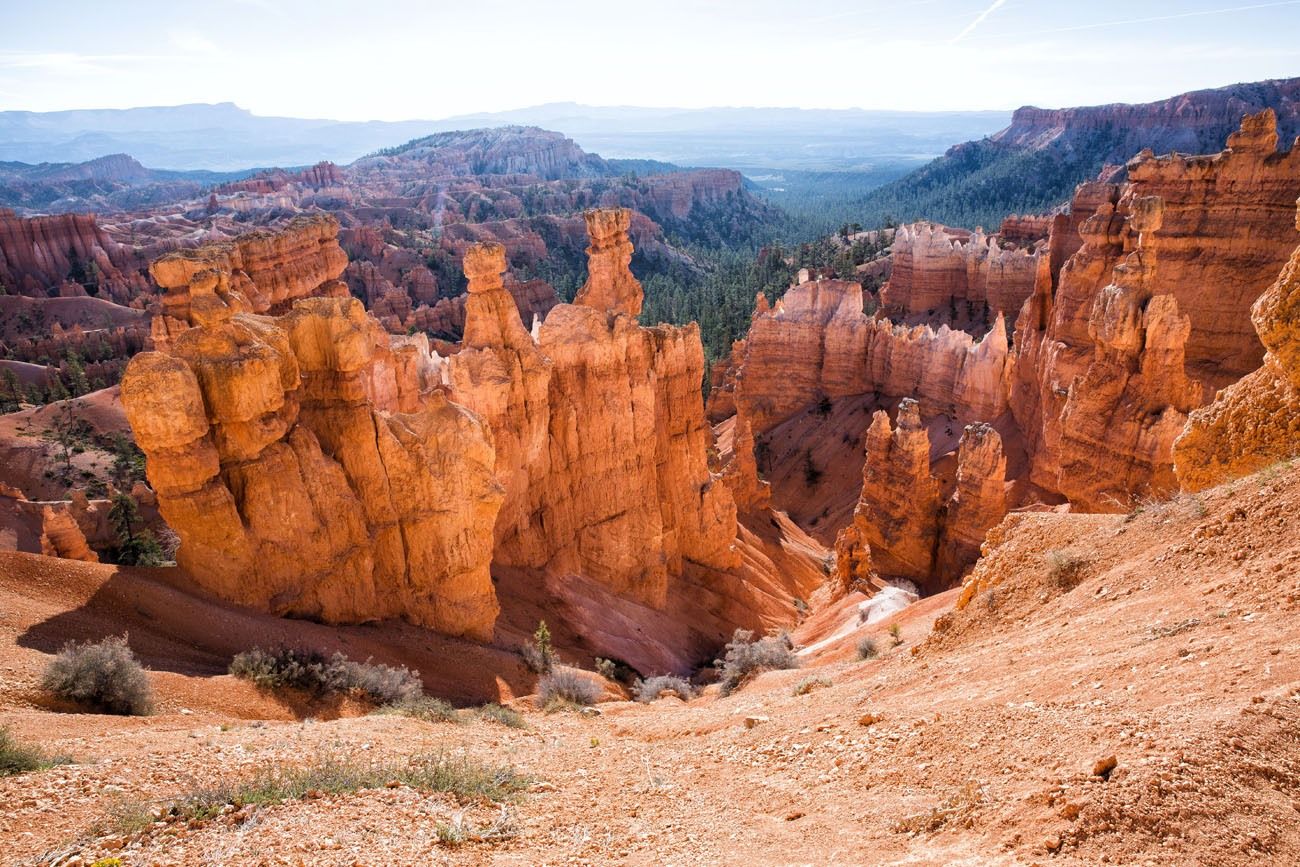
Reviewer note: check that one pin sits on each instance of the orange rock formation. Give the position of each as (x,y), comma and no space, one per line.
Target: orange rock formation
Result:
(301,459)
(817,342)
(1256,421)
(936,268)
(268,271)
(610,285)
(1151,314)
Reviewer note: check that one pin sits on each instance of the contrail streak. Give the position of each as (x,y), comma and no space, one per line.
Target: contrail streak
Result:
(979,19)
(1021,34)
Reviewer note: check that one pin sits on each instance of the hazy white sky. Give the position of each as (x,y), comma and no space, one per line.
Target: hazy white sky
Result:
(400,59)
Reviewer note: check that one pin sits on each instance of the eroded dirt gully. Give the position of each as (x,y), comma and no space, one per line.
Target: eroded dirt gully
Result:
(976,743)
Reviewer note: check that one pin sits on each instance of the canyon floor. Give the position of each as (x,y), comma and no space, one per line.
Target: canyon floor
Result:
(974,743)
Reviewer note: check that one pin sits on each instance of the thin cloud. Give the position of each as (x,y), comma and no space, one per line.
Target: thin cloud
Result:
(1170,17)
(979,19)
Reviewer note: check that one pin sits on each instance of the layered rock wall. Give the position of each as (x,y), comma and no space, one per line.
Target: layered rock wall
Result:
(936,269)
(266,271)
(47,255)
(818,342)
(1150,315)
(1256,421)
(602,445)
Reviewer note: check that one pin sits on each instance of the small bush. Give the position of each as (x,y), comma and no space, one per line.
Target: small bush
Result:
(867,648)
(808,684)
(502,715)
(19,758)
(105,676)
(607,668)
(566,685)
(1065,568)
(896,633)
(648,690)
(312,672)
(538,654)
(746,657)
(422,707)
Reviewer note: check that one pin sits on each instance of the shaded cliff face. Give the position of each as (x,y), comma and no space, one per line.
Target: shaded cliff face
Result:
(1151,315)
(940,275)
(817,342)
(66,254)
(1256,421)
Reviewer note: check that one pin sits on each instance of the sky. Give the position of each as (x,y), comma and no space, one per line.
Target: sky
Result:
(404,59)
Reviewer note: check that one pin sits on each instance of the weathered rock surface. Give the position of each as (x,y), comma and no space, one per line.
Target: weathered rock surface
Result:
(898,513)
(302,460)
(817,342)
(1150,315)
(979,501)
(600,430)
(267,270)
(1256,421)
(610,285)
(937,270)
(39,255)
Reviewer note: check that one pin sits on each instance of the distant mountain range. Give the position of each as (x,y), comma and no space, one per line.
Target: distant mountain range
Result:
(224,137)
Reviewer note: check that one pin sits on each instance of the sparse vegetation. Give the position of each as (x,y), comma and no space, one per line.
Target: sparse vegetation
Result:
(808,684)
(460,776)
(567,687)
(503,715)
(458,832)
(19,758)
(538,654)
(896,633)
(321,676)
(867,648)
(1065,568)
(811,473)
(958,808)
(422,707)
(746,657)
(104,676)
(652,687)
(606,668)
(135,546)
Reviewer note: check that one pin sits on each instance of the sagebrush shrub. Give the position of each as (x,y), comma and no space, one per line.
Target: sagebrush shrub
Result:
(567,685)
(505,716)
(746,657)
(649,689)
(313,672)
(422,707)
(1065,568)
(867,648)
(104,676)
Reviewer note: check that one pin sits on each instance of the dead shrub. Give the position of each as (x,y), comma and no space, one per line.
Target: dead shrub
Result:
(104,676)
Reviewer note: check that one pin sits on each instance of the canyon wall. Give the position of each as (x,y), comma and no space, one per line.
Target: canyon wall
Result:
(1151,315)
(1256,421)
(602,445)
(936,270)
(66,254)
(817,342)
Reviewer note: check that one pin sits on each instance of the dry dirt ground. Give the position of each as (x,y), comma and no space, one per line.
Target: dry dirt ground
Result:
(1173,649)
